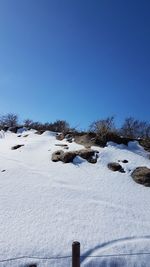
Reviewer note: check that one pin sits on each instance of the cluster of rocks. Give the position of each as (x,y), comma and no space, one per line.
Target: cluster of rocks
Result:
(140,175)
(66,157)
(115,166)
(68,137)
(90,139)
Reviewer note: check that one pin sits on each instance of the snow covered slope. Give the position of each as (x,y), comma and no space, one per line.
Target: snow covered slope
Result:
(45,206)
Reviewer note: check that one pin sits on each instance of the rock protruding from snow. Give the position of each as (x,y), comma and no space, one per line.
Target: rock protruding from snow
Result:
(145,143)
(39,132)
(114,166)
(69,138)
(60,136)
(65,146)
(66,157)
(123,161)
(141,175)
(16,147)
(57,155)
(88,154)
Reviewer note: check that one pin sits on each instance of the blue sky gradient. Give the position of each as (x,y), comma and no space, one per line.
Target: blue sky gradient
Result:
(77,60)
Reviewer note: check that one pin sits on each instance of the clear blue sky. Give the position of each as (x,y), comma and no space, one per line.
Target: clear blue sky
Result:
(78,60)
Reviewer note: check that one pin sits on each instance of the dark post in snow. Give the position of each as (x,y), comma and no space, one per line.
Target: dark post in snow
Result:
(32,265)
(76,254)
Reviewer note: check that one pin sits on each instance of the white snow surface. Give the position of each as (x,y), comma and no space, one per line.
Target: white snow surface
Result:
(45,206)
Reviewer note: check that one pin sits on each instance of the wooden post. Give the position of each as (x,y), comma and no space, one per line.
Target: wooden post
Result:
(76,254)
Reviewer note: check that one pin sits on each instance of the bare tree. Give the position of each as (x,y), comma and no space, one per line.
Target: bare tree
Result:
(134,128)
(61,126)
(28,123)
(102,127)
(9,120)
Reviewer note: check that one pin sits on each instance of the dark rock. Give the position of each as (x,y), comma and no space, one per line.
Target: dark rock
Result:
(69,140)
(26,135)
(125,161)
(68,136)
(39,132)
(114,166)
(65,157)
(57,155)
(86,153)
(16,147)
(141,175)
(92,160)
(60,136)
(3,170)
(122,170)
(61,145)
(68,156)
(145,143)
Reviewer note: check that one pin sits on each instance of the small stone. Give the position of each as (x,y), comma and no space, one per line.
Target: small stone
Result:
(26,135)
(122,170)
(125,161)
(114,166)
(16,147)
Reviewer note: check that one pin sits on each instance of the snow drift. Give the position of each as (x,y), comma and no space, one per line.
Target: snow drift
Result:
(45,206)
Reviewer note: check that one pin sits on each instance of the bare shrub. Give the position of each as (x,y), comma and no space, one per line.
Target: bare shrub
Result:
(102,127)
(134,128)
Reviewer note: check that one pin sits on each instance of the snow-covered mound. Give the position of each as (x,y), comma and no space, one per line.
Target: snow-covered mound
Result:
(21,130)
(45,206)
(134,147)
(49,133)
